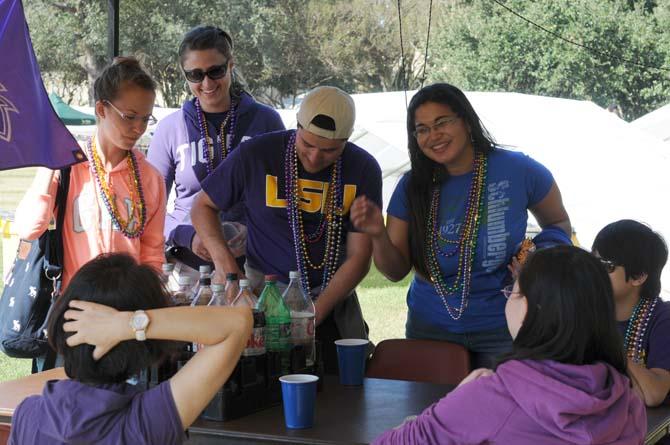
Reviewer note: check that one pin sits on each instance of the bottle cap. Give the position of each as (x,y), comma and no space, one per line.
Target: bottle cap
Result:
(167,267)
(244,283)
(294,274)
(270,278)
(205,268)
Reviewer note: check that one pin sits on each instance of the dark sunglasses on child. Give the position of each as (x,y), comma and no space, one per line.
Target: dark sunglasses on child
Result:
(609,265)
(197,75)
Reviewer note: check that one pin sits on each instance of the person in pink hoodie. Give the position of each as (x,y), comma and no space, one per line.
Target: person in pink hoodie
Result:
(564,381)
(116,199)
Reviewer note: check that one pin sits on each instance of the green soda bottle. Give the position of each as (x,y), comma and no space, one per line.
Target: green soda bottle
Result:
(277,321)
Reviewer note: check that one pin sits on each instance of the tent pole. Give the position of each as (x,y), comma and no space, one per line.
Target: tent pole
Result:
(112,29)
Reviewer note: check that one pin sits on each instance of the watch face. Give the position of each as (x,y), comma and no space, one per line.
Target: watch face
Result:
(140,320)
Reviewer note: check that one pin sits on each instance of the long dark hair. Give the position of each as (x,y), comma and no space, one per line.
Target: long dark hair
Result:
(570,317)
(115,280)
(426,172)
(210,37)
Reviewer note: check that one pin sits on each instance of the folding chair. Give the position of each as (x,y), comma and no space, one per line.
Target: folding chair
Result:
(430,361)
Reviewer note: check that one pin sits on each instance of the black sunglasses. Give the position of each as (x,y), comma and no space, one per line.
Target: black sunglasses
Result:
(609,265)
(197,75)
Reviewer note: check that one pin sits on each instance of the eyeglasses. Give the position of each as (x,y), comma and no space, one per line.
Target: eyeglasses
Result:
(440,125)
(132,118)
(197,75)
(508,290)
(609,265)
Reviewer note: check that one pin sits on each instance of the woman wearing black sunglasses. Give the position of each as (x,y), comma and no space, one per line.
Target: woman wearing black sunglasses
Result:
(190,143)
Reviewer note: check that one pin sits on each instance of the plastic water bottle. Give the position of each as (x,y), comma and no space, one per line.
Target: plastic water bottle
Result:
(246,297)
(232,287)
(205,272)
(218,296)
(204,294)
(182,296)
(302,316)
(277,321)
(166,269)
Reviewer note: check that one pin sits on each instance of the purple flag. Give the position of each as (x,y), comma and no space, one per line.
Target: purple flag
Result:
(30,131)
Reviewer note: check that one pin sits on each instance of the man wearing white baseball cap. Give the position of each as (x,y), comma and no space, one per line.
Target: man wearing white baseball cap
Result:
(297,187)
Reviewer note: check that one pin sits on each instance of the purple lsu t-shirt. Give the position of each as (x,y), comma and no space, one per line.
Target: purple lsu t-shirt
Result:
(69,412)
(655,342)
(255,173)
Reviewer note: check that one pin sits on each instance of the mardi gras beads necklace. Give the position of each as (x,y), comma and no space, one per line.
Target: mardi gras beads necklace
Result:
(137,211)
(209,152)
(466,244)
(330,222)
(636,330)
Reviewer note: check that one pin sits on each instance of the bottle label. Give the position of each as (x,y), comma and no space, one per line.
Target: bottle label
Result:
(256,342)
(302,325)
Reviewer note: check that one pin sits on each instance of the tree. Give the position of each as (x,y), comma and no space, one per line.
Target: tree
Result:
(484,47)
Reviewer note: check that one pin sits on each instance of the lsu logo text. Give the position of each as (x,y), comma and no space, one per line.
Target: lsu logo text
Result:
(312,195)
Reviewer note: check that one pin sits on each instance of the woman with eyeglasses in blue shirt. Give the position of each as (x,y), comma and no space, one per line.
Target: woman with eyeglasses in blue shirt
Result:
(457,218)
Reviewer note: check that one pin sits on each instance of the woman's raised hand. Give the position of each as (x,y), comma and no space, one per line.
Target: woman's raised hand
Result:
(97,325)
(367,216)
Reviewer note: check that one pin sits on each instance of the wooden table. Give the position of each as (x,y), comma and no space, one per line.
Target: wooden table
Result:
(351,415)
(354,416)
(343,415)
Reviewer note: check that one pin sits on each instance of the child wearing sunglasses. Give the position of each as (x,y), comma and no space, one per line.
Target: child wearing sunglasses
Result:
(190,143)
(634,256)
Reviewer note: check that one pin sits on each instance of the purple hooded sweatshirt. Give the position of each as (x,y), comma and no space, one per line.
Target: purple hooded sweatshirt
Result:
(532,402)
(176,150)
(70,412)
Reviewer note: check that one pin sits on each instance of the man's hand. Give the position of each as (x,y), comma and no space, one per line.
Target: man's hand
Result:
(198,247)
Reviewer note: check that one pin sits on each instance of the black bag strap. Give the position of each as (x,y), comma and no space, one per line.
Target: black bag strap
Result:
(53,267)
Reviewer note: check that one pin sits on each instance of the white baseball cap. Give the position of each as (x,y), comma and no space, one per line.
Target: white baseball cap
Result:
(330,102)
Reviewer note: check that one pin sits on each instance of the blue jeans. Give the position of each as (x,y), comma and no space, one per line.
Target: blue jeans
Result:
(484,346)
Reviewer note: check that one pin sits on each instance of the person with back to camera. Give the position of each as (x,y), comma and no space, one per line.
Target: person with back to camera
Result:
(112,322)
(563,382)
(457,218)
(190,143)
(634,255)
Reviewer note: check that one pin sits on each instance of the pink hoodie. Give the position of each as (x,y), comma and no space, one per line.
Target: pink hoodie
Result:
(87,229)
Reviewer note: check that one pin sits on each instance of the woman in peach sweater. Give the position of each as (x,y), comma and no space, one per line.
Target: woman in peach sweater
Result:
(116,199)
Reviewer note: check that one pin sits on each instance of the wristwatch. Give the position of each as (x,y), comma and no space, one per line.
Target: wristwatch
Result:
(138,323)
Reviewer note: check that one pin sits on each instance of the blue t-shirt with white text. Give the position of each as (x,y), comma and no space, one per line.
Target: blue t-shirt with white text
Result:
(514,183)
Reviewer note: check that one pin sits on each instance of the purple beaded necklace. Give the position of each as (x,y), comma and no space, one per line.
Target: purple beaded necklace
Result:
(331,220)
(636,330)
(224,138)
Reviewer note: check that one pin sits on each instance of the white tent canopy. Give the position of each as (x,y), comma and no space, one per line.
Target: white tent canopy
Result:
(606,168)
(657,123)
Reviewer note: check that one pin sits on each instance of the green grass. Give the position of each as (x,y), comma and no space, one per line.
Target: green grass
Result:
(382,301)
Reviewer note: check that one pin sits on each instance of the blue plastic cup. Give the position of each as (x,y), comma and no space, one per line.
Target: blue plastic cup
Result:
(299,396)
(351,360)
